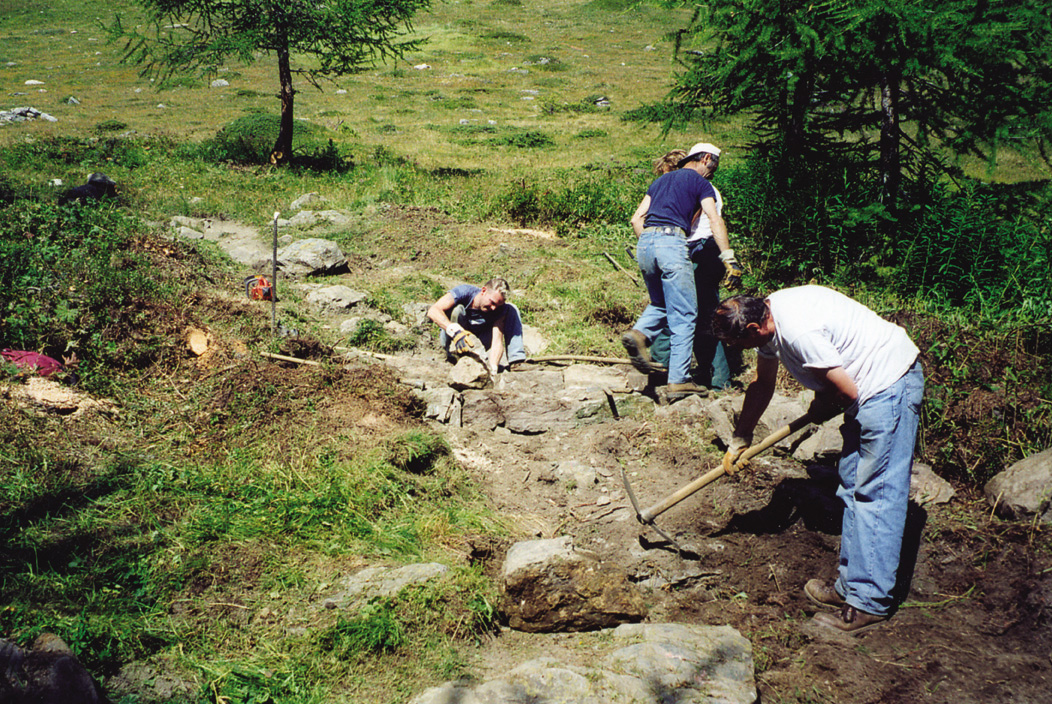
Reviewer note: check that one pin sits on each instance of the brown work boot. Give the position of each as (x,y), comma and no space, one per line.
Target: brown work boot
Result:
(849,620)
(688,388)
(823,594)
(636,346)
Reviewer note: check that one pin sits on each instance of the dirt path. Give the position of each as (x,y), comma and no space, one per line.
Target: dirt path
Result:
(976,627)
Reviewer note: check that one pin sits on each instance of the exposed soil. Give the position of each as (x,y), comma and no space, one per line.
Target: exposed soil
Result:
(976,626)
(977,623)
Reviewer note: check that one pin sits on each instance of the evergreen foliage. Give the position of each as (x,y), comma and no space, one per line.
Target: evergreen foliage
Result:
(892,84)
(340,37)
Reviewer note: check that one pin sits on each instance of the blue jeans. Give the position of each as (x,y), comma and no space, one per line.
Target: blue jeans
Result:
(717,364)
(874,485)
(663,259)
(513,345)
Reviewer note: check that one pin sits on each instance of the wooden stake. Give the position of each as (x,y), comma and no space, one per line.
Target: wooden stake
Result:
(274,280)
(621,268)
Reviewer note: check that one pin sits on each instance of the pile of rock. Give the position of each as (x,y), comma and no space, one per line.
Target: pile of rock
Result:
(24,114)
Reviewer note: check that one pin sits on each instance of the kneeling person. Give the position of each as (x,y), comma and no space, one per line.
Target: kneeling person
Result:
(485,313)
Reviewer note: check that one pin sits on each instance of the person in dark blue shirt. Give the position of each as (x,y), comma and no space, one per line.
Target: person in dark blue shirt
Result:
(662,222)
(485,313)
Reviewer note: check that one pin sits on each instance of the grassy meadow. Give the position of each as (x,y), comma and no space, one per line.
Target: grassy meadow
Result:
(142,534)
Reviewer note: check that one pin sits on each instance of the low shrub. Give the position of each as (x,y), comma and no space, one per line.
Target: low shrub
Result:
(77,280)
(526,139)
(672,116)
(250,140)
(593,199)
(372,335)
(89,154)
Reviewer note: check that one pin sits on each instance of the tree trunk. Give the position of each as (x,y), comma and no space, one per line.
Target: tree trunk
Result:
(283,146)
(890,167)
(796,137)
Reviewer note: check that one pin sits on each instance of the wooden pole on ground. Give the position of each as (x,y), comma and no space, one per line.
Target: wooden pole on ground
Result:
(621,268)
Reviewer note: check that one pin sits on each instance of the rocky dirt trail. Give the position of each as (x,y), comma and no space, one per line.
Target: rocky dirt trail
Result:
(976,626)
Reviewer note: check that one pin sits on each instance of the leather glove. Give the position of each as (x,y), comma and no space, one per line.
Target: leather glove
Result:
(823,408)
(737,446)
(733,280)
(462,341)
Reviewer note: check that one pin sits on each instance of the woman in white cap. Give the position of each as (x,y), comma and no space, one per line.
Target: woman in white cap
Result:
(713,262)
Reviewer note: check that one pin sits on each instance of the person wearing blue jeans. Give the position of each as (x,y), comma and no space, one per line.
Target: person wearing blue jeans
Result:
(484,312)
(867,367)
(716,364)
(661,222)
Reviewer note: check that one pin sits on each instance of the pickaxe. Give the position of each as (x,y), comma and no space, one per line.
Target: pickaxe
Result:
(646,517)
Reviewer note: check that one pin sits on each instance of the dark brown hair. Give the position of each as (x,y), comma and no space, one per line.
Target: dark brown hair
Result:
(733,315)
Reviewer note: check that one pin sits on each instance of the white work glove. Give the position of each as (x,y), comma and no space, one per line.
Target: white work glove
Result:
(452,329)
(733,280)
(735,448)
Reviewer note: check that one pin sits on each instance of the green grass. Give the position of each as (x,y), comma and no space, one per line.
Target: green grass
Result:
(155,532)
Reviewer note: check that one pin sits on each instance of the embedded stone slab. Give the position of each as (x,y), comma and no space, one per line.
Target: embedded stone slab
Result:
(549,586)
(647,664)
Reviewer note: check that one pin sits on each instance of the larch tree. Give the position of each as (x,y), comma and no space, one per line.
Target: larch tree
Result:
(312,38)
(900,83)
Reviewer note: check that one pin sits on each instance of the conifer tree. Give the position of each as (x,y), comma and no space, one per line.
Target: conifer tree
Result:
(904,84)
(312,38)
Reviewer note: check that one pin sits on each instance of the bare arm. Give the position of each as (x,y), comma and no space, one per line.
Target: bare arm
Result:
(640,215)
(496,348)
(719,227)
(757,396)
(438,313)
(838,386)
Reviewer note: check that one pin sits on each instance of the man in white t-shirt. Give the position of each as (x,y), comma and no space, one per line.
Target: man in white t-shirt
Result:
(867,367)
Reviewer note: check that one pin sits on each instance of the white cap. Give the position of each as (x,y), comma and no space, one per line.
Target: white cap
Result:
(704,148)
(699,148)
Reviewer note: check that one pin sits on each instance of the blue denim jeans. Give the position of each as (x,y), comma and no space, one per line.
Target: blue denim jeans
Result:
(662,257)
(717,364)
(875,469)
(514,350)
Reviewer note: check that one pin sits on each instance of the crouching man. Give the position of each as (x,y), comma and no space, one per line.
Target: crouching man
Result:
(484,313)
(867,367)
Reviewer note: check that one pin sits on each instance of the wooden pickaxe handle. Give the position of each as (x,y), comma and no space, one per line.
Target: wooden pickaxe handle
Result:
(648,515)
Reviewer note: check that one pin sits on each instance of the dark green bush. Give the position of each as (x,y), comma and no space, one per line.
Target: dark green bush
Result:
(89,154)
(674,116)
(984,247)
(595,198)
(527,139)
(250,140)
(111,126)
(502,35)
(585,105)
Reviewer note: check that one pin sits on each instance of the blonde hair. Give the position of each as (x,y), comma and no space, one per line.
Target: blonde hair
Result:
(499,285)
(669,162)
